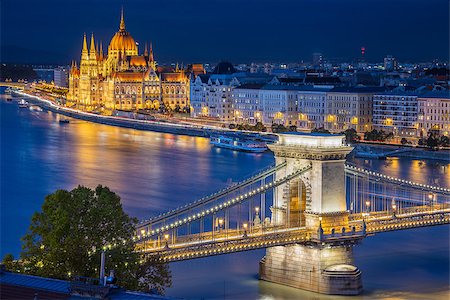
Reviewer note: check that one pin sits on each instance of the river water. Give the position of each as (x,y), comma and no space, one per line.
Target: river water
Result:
(155,172)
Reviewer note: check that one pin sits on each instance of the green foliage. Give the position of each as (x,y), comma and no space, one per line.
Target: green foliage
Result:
(434,140)
(257,127)
(444,141)
(278,128)
(376,135)
(320,130)
(65,239)
(351,135)
(11,264)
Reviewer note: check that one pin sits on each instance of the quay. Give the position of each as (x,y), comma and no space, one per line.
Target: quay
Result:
(148,125)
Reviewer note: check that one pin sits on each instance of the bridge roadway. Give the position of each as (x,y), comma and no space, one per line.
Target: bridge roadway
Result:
(12,84)
(230,241)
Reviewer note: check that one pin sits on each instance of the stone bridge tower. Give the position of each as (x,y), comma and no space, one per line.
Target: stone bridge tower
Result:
(315,200)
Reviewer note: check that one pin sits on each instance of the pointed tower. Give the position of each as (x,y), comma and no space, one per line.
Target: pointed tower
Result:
(84,51)
(122,21)
(92,50)
(151,52)
(145,50)
(100,51)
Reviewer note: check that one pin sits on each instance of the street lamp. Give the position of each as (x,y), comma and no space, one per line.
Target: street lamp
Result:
(394,208)
(220,224)
(245,225)
(166,238)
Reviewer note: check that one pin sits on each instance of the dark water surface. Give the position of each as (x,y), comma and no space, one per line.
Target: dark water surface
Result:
(154,172)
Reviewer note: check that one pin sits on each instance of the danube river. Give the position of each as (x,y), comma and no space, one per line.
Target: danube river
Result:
(155,172)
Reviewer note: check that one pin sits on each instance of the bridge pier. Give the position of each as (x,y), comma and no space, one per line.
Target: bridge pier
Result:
(318,268)
(325,263)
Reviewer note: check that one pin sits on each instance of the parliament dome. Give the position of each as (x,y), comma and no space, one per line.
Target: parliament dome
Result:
(123,41)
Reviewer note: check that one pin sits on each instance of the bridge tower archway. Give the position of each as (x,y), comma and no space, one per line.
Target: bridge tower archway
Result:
(316,199)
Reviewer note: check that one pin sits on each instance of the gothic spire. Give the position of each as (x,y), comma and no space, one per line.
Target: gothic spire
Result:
(84,52)
(101,50)
(122,21)
(145,50)
(85,48)
(92,51)
(151,52)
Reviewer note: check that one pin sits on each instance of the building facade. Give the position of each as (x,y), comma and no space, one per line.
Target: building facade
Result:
(312,107)
(433,113)
(61,77)
(350,108)
(248,107)
(396,112)
(124,80)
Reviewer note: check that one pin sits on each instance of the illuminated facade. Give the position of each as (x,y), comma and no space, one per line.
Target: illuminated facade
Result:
(123,79)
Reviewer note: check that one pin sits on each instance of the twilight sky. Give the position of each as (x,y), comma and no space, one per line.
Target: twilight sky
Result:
(50,31)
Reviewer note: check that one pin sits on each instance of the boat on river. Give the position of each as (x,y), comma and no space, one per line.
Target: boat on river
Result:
(238,143)
(23,103)
(64,121)
(35,108)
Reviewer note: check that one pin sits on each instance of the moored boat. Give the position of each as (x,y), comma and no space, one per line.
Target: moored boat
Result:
(64,121)
(35,108)
(238,144)
(23,103)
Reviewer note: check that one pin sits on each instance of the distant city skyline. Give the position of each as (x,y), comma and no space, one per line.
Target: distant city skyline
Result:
(51,31)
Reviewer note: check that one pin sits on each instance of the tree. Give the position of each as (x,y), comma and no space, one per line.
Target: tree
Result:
(320,130)
(65,239)
(11,264)
(445,141)
(351,135)
(278,128)
(432,141)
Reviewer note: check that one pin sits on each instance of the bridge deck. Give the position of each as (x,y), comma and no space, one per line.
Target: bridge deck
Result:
(195,246)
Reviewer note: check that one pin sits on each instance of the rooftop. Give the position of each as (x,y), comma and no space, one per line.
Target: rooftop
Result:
(28,285)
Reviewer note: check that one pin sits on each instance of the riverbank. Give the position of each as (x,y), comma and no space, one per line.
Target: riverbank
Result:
(156,126)
(411,152)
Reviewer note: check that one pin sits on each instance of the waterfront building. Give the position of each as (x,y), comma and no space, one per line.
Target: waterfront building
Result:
(434,113)
(279,105)
(396,112)
(123,79)
(350,107)
(312,107)
(175,88)
(61,77)
(210,94)
(248,103)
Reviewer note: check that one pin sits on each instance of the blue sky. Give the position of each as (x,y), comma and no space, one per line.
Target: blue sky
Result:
(235,30)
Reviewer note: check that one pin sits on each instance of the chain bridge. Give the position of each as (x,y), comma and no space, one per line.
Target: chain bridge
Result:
(308,211)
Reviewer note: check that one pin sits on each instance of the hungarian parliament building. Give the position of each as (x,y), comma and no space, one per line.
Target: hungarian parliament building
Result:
(125,80)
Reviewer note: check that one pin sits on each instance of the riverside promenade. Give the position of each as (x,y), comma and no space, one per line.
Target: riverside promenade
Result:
(149,125)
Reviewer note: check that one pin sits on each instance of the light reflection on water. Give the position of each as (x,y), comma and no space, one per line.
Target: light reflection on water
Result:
(154,172)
